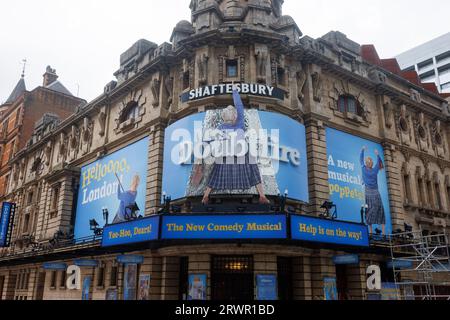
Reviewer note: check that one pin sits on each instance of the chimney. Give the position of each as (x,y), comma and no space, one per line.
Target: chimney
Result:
(49,76)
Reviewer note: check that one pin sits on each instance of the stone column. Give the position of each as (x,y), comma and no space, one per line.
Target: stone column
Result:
(393,173)
(321,267)
(155,169)
(302,278)
(317,164)
(170,278)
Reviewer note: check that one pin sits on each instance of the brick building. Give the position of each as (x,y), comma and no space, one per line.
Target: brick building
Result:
(330,87)
(23,109)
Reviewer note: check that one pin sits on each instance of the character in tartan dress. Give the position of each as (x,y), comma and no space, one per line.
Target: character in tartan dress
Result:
(237,173)
(375,214)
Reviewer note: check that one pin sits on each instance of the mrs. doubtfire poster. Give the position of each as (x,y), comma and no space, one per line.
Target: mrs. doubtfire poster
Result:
(117,183)
(357,179)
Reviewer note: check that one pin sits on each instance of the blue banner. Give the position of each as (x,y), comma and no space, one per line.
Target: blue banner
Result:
(330,289)
(54,266)
(357,180)
(400,264)
(271,148)
(4,223)
(224,227)
(346,259)
(197,287)
(266,285)
(116,184)
(130,259)
(329,231)
(86,263)
(140,230)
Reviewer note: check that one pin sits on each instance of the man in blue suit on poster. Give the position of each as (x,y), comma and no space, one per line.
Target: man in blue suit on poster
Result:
(375,214)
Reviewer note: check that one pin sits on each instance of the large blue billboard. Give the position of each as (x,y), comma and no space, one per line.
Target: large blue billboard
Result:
(140,230)
(328,231)
(357,180)
(5,221)
(235,150)
(116,183)
(224,227)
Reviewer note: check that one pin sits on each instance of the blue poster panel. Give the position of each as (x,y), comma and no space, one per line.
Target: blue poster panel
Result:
(329,231)
(197,287)
(116,183)
(85,294)
(330,289)
(140,230)
(5,219)
(224,227)
(235,151)
(144,287)
(389,291)
(130,279)
(357,180)
(266,287)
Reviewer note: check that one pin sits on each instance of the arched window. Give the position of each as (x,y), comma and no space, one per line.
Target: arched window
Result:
(131,111)
(349,104)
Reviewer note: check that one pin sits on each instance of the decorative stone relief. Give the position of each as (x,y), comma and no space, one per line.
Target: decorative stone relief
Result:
(74,141)
(421,132)
(262,56)
(63,148)
(343,88)
(155,88)
(48,153)
(376,76)
(437,139)
(86,135)
(403,126)
(388,109)
(301,78)
(168,87)
(317,86)
(202,65)
(415,95)
(102,121)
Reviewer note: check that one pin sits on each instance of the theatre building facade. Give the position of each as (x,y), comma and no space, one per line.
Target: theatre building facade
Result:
(159,190)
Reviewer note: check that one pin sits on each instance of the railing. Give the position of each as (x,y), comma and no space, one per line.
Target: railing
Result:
(50,246)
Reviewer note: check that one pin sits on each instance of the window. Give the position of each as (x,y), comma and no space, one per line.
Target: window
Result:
(281,75)
(232,68)
(443,56)
(407,188)
(114,274)
(348,104)
(420,192)
(54,199)
(186,80)
(53,279)
(62,280)
(26,223)
(101,276)
(30,198)
(425,64)
(430,193)
(437,190)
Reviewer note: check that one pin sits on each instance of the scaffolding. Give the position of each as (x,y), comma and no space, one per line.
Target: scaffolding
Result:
(420,264)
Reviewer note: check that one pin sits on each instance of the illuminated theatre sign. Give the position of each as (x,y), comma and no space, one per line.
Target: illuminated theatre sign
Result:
(255,89)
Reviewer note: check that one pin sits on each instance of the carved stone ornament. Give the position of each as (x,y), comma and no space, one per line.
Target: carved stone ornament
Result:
(261,56)
(388,109)
(63,148)
(168,87)
(155,88)
(86,135)
(377,76)
(202,65)
(48,153)
(317,86)
(301,78)
(102,121)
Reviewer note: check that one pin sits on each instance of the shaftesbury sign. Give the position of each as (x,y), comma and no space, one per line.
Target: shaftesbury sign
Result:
(226,89)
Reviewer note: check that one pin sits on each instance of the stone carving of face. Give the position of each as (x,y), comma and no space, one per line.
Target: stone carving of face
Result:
(229,115)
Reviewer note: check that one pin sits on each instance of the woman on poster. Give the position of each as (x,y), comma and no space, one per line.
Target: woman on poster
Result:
(243,173)
(127,200)
(375,214)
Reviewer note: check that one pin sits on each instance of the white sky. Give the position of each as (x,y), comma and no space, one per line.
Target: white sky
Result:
(83,39)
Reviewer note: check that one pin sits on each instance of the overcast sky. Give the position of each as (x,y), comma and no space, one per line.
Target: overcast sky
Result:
(83,39)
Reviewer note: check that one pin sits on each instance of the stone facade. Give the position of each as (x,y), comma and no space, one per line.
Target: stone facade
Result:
(410,121)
